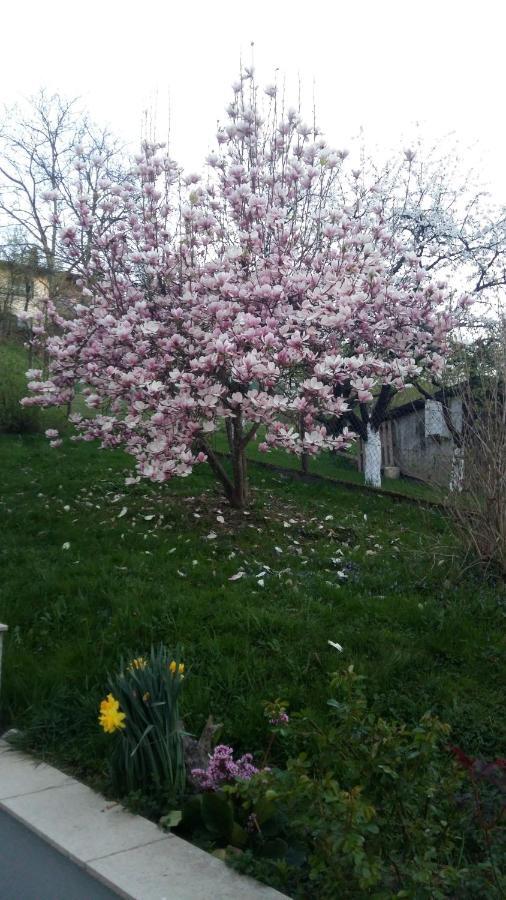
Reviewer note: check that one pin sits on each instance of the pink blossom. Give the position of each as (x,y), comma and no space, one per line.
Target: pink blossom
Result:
(242,295)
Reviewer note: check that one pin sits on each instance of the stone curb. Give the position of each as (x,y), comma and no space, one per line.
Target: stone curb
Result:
(128,853)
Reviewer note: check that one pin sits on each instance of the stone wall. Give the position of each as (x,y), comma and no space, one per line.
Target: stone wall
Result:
(423,446)
(19,294)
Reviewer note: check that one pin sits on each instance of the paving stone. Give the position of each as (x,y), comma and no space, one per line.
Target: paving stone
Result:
(19,774)
(176,870)
(82,823)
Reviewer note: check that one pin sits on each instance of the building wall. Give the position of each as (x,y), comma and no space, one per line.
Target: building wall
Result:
(13,297)
(422,447)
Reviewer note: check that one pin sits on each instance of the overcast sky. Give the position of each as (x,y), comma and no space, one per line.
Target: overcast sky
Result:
(377,65)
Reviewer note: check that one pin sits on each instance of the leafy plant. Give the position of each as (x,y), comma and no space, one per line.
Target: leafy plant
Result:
(483,796)
(142,708)
(367,807)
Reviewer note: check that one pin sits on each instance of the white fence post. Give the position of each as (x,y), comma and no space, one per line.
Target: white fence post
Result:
(3,629)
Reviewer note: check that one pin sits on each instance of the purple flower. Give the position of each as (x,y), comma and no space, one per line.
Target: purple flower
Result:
(281,718)
(223,769)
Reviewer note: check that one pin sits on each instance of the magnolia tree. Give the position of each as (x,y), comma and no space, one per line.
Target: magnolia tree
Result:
(392,338)
(440,223)
(241,300)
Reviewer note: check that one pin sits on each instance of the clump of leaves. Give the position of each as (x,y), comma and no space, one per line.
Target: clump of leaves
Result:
(148,752)
(483,799)
(368,807)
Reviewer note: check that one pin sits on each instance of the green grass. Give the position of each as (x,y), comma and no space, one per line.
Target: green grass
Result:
(153,563)
(341,467)
(14,418)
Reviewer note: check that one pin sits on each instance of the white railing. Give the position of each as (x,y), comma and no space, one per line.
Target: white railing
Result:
(3,629)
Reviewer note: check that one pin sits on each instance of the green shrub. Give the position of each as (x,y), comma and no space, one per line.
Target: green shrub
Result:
(17,419)
(142,710)
(368,808)
(14,418)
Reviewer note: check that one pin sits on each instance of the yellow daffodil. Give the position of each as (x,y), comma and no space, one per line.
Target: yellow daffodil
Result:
(174,667)
(140,662)
(111,718)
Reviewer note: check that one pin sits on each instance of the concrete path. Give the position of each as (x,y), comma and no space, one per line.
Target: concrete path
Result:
(129,854)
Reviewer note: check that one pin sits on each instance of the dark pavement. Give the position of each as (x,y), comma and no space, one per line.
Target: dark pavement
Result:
(30,869)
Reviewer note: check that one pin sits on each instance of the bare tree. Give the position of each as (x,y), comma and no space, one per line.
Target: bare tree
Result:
(441,210)
(479,509)
(52,159)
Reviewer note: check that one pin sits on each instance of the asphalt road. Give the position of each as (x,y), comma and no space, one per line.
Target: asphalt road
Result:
(30,869)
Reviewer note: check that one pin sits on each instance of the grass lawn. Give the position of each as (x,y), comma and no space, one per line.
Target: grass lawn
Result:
(341,467)
(92,570)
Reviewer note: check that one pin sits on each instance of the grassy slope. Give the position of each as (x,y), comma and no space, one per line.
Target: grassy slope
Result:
(332,466)
(426,637)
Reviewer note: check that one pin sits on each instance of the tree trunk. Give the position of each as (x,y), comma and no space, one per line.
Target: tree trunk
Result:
(239,497)
(235,486)
(457,470)
(304,457)
(372,457)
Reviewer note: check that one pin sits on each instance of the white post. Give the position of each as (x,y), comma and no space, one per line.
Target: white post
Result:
(3,629)
(372,457)
(457,471)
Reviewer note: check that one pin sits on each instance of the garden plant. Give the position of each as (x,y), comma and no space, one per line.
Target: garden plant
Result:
(368,806)
(143,707)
